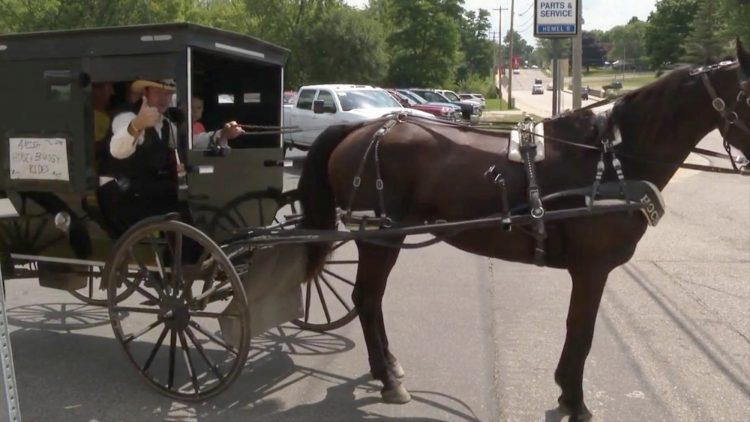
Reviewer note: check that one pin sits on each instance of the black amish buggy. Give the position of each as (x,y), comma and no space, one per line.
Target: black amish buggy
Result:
(182,299)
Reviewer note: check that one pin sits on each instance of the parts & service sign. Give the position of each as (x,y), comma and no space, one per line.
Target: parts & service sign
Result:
(553,18)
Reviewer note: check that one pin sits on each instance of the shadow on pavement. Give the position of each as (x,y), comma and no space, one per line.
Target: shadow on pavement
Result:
(66,376)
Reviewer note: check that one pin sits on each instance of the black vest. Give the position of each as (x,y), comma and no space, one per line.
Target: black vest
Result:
(152,163)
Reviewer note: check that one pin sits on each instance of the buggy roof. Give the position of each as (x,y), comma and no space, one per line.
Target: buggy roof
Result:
(137,39)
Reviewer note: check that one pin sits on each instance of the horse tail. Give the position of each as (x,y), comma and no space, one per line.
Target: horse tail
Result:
(316,195)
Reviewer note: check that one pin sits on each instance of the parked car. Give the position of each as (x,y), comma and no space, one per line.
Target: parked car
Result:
(537,87)
(440,110)
(469,110)
(481,99)
(550,86)
(585,93)
(319,106)
(442,103)
(613,85)
(289,97)
(474,97)
(516,71)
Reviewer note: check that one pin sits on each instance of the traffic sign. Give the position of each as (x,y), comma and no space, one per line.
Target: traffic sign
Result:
(556,18)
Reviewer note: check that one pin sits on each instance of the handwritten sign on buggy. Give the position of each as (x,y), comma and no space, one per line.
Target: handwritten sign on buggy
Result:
(555,18)
(38,159)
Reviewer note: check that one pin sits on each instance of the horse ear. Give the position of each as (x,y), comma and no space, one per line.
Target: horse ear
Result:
(743,57)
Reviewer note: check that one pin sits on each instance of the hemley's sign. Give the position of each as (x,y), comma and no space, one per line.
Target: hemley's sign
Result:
(555,18)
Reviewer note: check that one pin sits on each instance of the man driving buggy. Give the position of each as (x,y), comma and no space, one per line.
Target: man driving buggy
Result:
(139,175)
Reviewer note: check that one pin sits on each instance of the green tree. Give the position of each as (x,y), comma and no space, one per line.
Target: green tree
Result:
(707,39)
(343,45)
(668,26)
(628,43)
(425,42)
(593,52)
(476,54)
(736,15)
(521,48)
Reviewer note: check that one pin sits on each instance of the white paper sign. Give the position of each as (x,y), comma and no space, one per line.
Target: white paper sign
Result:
(38,159)
(556,18)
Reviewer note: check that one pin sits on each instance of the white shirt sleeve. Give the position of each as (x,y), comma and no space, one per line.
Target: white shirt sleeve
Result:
(201,140)
(123,144)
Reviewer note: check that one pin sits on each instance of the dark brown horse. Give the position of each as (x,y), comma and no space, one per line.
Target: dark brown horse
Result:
(436,172)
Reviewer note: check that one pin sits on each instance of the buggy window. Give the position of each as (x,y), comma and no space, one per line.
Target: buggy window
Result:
(306,99)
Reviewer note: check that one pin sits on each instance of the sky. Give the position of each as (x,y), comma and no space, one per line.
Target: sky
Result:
(597,14)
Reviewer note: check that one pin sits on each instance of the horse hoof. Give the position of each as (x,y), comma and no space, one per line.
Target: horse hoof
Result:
(396,370)
(582,415)
(395,395)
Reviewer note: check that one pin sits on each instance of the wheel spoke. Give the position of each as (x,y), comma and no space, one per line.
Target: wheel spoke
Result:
(203,353)
(353,261)
(172,350)
(308,297)
(335,293)
(156,284)
(136,310)
(213,338)
(155,349)
(201,314)
(210,291)
(322,299)
(148,328)
(139,289)
(189,362)
(332,274)
(158,257)
(177,258)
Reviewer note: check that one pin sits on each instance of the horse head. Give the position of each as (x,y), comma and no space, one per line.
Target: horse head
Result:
(734,104)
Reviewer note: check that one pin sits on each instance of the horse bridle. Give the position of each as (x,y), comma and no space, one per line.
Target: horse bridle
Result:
(730,116)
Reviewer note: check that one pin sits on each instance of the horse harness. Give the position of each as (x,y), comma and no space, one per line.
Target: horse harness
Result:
(730,116)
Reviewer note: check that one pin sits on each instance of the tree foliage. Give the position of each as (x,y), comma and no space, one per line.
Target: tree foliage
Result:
(425,42)
(476,50)
(668,26)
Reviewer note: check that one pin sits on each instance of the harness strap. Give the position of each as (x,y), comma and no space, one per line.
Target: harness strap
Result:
(357,181)
(528,152)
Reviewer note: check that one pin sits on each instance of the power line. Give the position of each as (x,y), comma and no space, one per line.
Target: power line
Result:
(527,9)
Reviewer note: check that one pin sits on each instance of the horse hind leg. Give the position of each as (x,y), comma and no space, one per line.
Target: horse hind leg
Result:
(588,285)
(375,264)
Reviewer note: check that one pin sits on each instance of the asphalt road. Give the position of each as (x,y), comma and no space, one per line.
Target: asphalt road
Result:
(478,338)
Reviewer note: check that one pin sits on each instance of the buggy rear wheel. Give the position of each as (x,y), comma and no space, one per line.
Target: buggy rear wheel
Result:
(91,294)
(186,327)
(327,297)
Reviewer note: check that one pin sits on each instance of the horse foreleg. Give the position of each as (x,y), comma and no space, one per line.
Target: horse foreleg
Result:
(588,285)
(375,264)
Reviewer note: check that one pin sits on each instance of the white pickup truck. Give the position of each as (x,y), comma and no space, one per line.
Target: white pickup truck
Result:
(319,106)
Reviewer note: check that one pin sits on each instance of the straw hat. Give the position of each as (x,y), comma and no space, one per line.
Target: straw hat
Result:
(168,84)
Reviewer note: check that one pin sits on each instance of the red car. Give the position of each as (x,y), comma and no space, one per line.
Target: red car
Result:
(440,111)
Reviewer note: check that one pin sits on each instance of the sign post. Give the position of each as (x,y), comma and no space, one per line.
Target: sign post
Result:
(556,19)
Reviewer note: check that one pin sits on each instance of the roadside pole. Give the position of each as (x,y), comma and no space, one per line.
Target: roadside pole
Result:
(510,58)
(556,76)
(577,62)
(500,51)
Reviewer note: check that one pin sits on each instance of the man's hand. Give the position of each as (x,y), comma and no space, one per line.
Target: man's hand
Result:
(231,130)
(147,117)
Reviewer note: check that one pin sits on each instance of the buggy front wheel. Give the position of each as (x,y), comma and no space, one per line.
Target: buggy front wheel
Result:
(186,326)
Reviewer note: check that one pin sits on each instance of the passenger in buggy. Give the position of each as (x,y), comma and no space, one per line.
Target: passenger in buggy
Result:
(141,168)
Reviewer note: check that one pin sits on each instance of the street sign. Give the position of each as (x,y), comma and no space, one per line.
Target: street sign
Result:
(556,18)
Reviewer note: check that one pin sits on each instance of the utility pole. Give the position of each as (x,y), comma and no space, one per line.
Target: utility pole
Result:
(510,57)
(577,60)
(500,50)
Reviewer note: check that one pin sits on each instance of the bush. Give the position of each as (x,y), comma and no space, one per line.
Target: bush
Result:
(477,85)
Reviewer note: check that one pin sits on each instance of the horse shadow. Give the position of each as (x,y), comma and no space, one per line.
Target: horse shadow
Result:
(64,374)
